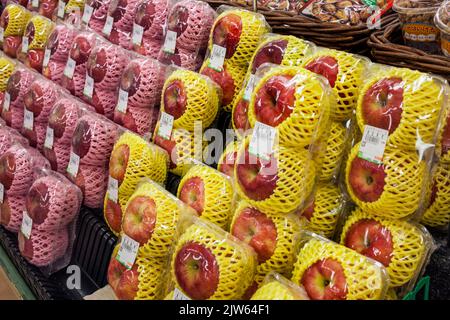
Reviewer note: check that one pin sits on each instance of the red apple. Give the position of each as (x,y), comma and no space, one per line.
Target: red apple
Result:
(170,147)
(119,162)
(145,13)
(131,78)
(57,120)
(325,280)
(193,194)
(81,141)
(445,139)
(11,44)
(257,177)
(271,52)
(38,202)
(96,65)
(13,85)
(382,104)
(366,179)
(139,219)
(224,80)
(196,271)
(25,247)
(4,19)
(31,135)
(275,100)
(35,58)
(51,157)
(325,66)
(227,33)
(178,20)
(175,99)
(227,166)
(80,50)
(115,271)
(128,285)
(34,99)
(5,212)
(7,169)
(308,211)
(369,238)
(117,9)
(240,117)
(256,229)
(113,214)
(47,7)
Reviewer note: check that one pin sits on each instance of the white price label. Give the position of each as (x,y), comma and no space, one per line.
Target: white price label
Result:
(250,86)
(88,90)
(28,119)
(108,26)
(127,251)
(24,44)
(179,295)
(6,102)
(170,42)
(262,141)
(87,14)
(2,193)
(2,32)
(138,33)
(113,189)
(70,68)
(61,9)
(49,137)
(27,225)
(165,126)
(122,103)
(217,58)
(46,60)
(373,144)
(35,3)
(74,164)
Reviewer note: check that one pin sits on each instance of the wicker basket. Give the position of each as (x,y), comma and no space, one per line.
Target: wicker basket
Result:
(326,34)
(386,49)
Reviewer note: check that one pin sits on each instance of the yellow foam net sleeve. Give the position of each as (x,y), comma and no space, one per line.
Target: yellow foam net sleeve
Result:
(311,110)
(236,264)
(391,294)
(232,147)
(403,184)
(6,69)
(409,246)
(18,19)
(273,291)
(254,26)
(348,81)
(282,259)
(73,5)
(151,277)
(438,212)
(365,279)
(145,160)
(423,97)
(42,29)
(335,147)
(296,176)
(219,194)
(328,205)
(202,99)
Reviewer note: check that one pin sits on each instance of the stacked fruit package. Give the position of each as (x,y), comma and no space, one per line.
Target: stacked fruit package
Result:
(14,99)
(233,40)
(13,22)
(190,103)
(138,266)
(69,10)
(57,51)
(139,93)
(92,143)
(31,51)
(45,8)
(6,69)
(149,22)
(277,287)
(189,24)
(104,69)
(94,14)
(48,227)
(132,159)
(9,137)
(18,168)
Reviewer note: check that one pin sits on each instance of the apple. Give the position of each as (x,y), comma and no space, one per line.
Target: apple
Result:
(119,162)
(7,169)
(227,166)
(131,78)
(96,65)
(224,80)
(57,120)
(54,71)
(13,86)
(366,179)
(35,58)
(4,19)
(32,137)
(178,20)
(128,285)
(371,239)
(139,219)
(240,117)
(193,194)
(308,211)
(30,32)
(81,140)
(325,66)
(445,139)
(175,99)
(34,99)
(113,214)
(253,176)
(11,45)
(381,105)
(196,271)
(170,147)
(53,41)
(50,155)
(117,9)
(256,229)
(145,13)
(47,7)
(271,52)
(38,202)
(227,33)
(115,272)
(5,212)
(139,120)
(275,100)
(80,50)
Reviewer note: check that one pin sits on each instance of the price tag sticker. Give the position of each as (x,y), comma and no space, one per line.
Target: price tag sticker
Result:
(373,144)
(6,102)
(138,33)
(24,44)
(2,33)
(61,9)
(250,86)
(74,164)
(49,137)
(107,28)
(122,102)
(127,252)
(28,119)
(46,60)
(35,3)
(113,189)
(179,295)
(2,193)
(170,42)
(217,59)
(70,68)
(88,90)
(87,14)
(262,141)
(165,126)
(27,224)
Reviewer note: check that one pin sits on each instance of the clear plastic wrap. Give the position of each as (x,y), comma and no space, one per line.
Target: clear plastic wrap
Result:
(70,11)
(6,69)
(228,159)
(8,137)
(442,21)
(13,22)
(277,287)
(329,271)
(95,13)
(46,8)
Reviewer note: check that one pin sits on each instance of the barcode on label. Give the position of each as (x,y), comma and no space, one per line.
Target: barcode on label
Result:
(87,14)
(165,126)
(88,86)
(70,68)
(49,136)
(113,189)
(138,33)
(108,26)
(46,57)
(61,9)
(6,102)
(262,141)
(74,164)
(122,102)
(373,144)
(170,42)
(24,44)
(27,225)
(2,193)
(217,58)
(128,251)
(178,295)
(28,119)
